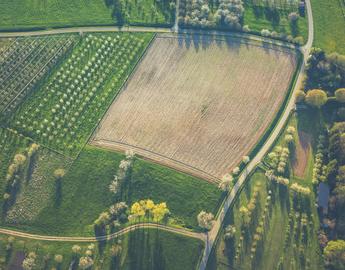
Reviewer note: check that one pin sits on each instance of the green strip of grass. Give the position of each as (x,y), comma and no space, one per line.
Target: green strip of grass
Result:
(142,249)
(33,14)
(85,194)
(329,23)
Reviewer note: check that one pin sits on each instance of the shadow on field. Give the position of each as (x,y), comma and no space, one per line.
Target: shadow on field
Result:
(200,41)
(203,42)
(145,250)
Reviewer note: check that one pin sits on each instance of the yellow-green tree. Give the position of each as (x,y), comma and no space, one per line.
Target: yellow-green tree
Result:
(340,95)
(316,98)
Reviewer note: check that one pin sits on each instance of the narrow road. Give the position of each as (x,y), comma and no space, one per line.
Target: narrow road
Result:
(212,235)
(128,229)
(210,238)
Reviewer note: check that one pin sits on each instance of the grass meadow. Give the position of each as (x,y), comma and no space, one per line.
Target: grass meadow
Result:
(28,14)
(329,24)
(85,194)
(141,250)
(279,245)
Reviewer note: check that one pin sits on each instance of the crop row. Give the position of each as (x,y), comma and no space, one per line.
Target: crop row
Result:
(63,113)
(25,63)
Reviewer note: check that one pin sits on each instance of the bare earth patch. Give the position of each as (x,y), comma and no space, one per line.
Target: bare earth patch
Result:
(302,152)
(198,106)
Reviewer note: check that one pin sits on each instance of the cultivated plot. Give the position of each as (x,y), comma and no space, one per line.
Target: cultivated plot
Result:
(199,105)
(24,62)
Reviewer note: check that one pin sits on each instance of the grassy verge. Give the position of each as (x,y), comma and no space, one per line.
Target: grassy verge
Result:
(85,194)
(31,14)
(141,249)
(329,24)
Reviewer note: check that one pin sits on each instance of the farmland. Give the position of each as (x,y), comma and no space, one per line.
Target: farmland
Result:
(63,112)
(24,62)
(196,104)
(86,183)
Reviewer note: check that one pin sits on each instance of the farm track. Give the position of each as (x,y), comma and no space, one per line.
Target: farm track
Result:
(211,237)
(217,226)
(128,229)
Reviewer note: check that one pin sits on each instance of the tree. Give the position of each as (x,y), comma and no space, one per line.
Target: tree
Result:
(103,219)
(76,250)
(29,261)
(226,182)
(85,262)
(293,17)
(340,95)
(58,258)
(230,13)
(316,98)
(205,220)
(115,250)
(300,96)
(59,174)
(335,254)
(159,211)
(245,159)
(230,232)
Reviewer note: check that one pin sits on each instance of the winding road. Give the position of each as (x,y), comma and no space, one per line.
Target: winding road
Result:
(211,237)
(213,233)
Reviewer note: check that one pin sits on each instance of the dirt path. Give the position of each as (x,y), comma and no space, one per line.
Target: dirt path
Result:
(103,238)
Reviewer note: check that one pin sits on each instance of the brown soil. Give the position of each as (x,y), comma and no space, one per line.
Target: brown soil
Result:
(201,105)
(302,154)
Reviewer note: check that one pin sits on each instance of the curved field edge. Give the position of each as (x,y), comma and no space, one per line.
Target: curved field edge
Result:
(114,138)
(85,194)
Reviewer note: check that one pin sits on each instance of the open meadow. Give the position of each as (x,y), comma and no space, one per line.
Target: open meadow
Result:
(199,104)
(63,13)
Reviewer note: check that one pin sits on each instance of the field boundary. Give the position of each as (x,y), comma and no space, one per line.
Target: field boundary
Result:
(271,127)
(121,89)
(156,158)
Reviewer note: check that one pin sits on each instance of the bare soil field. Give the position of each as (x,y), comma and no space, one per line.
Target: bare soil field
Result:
(302,154)
(200,104)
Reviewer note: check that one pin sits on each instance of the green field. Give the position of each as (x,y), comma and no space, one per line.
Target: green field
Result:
(258,18)
(63,112)
(280,245)
(329,24)
(278,242)
(85,194)
(141,250)
(26,14)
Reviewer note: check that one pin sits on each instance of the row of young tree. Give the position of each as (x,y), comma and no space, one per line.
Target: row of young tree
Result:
(324,89)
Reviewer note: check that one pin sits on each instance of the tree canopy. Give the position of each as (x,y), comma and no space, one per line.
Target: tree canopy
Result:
(316,98)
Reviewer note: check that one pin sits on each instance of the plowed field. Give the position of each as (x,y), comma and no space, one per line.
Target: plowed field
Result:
(198,105)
